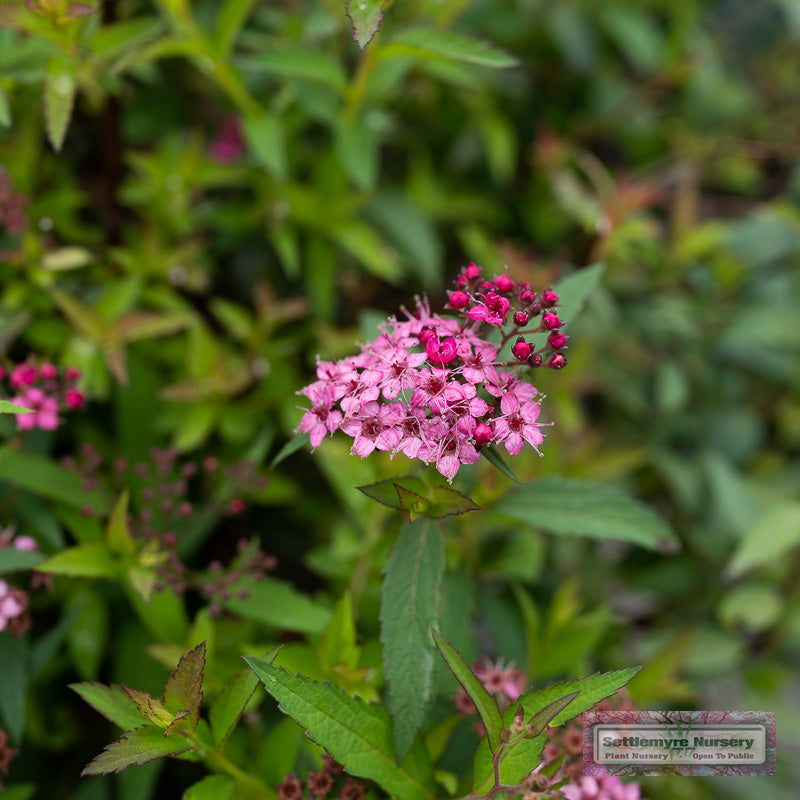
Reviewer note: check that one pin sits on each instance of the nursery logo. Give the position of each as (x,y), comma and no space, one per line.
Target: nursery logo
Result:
(679,742)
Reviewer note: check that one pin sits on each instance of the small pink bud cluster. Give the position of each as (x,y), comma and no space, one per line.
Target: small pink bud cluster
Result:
(434,388)
(163,512)
(45,390)
(328,782)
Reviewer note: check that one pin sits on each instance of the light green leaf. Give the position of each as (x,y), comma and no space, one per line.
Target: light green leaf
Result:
(5,108)
(226,709)
(537,724)
(355,733)
(16,672)
(89,560)
(338,643)
(580,508)
(59,96)
(135,748)
(212,787)
(484,702)
(88,634)
(769,539)
(365,244)
(267,142)
(118,536)
(366,17)
(431,43)
(574,290)
(66,258)
(183,690)
(111,701)
(13,560)
(409,598)
(7,407)
(301,62)
(229,22)
(357,150)
(278,605)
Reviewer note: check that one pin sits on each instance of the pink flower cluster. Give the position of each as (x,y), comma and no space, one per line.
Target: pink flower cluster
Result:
(436,388)
(507,683)
(604,787)
(13,604)
(45,390)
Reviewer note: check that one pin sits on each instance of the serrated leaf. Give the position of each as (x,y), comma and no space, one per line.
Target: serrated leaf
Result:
(485,704)
(524,755)
(118,535)
(538,723)
(385,492)
(447,502)
(135,748)
(769,539)
(13,560)
(496,460)
(366,17)
(229,706)
(183,690)
(149,707)
(89,560)
(59,96)
(355,733)
(111,701)
(574,290)
(432,43)
(580,508)
(409,598)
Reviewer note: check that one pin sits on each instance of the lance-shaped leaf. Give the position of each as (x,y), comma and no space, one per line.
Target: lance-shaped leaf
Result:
(355,733)
(538,723)
(523,755)
(113,702)
(407,493)
(366,17)
(446,502)
(484,702)
(450,45)
(385,492)
(59,96)
(90,560)
(409,598)
(118,535)
(135,748)
(183,691)
(7,407)
(574,290)
(496,460)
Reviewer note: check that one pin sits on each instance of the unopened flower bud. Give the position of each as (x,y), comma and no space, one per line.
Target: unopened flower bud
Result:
(48,372)
(521,349)
(549,298)
(520,319)
(557,340)
(169,539)
(72,373)
(425,334)
(551,321)
(486,286)
(472,272)
(557,361)
(535,360)
(482,434)
(458,300)
(504,284)
(237,506)
(505,735)
(74,398)
(527,297)
(461,281)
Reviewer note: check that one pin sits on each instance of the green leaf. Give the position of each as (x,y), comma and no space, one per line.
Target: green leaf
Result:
(151,708)
(574,290)
(112,702)
(484,702)
(13,560)
(523,755)
(267,142)
(183,690)
(226,709)
(446,502)
(14,657)
(45,478)
(7,407)
(769,539)
(278,605)
(230,19)
(300,62)
(5,108)
(495,459)
(118,535)
(409,598)
(212,787)
(385,492)
(90,560)
(579,508)
(59,96)
(135,748)
(357,150)
(365,244)
(366,17)
(88,634)
(431,43)
(355,733)
(292,446)
(338,643)
(537,724)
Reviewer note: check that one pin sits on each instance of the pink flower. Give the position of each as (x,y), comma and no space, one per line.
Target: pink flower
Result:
(43,407)
(441,352)
(74,398)
(604,787)
(23,375)
(493,310)
(322,418)
(11,604)
(518,424)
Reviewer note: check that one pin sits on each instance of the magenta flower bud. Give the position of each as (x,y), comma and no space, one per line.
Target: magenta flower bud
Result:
(24,375)
(527,297)
(482,434)
(458,300)
(521,349)
(504,284)
(74,398)
(472,272)
(557,340)
(461,281)
(550,321)
(72,373)
(521,319)
(535,360)
(48,371)
(486,286)
(549,298)
(425,334)
(557,361)
(169,539)
(441,352)
(237,505)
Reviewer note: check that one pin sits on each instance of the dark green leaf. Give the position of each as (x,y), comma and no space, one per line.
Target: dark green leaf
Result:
(13,560)
(266,140)
(355,733)
(537,724)
(495,459)
(431,43)
(579,508)
(446,502)
(299,441)
(386,491)
(112,702)
(303,63)
(15,671)
(135,748)
(212,787)
(226,709)
(366,17)
(484,702)
(409,598)
(574,290)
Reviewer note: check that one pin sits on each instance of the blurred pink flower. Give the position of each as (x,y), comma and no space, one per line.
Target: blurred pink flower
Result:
(44,410)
